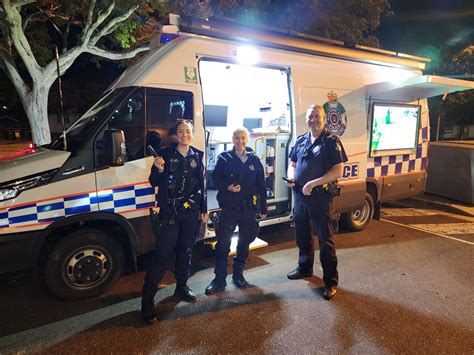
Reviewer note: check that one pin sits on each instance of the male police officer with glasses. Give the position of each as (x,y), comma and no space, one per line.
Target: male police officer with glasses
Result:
(317,160)
(178,172)
(240,181)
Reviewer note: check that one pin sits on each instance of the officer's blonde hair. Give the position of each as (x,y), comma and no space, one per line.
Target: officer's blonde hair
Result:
(313,107)
(241,130)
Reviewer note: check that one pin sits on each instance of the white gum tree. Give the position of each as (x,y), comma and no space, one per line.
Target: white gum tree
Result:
(33,76)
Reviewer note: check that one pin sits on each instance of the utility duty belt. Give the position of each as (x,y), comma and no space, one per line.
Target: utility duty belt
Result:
(183,203)
(332,189)
(250,202)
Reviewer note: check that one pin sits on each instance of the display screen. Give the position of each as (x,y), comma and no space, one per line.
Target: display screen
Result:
(394,127)
(215,116)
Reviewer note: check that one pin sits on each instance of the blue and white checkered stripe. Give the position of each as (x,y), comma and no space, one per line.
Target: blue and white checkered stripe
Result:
(116,200)
(402,163)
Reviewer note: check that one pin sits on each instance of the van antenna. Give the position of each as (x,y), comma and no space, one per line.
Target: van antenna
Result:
(61,98)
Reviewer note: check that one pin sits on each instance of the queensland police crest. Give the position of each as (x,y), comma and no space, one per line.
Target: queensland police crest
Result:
(336,119)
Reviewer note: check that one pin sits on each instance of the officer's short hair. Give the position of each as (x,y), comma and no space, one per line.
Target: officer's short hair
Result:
(314,107)
(241,130)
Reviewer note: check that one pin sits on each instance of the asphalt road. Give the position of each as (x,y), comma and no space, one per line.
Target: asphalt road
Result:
(402,290)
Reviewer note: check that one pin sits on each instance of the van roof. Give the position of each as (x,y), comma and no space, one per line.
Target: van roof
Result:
(297,42)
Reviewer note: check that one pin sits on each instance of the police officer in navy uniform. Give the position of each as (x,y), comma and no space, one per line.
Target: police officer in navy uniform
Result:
(317,159)
(178,173)
(240,181)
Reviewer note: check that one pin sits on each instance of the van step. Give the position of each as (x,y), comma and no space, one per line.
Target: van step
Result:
(256,244)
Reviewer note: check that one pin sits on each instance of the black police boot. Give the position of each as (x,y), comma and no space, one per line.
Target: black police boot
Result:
(329,292)
(297,274)
(215,286)
(184,292)
(239,279)
(148,311)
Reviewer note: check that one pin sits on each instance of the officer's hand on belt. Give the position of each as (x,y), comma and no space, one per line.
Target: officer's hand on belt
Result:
(308,187)
(233,188)
(262,216)
(160,164)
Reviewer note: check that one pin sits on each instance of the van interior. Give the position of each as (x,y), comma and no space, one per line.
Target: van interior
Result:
(257,98)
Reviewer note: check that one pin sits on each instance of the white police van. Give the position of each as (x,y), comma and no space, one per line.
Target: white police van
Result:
(78,215)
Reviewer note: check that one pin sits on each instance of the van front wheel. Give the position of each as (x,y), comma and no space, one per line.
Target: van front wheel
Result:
(83,265)
(359,219)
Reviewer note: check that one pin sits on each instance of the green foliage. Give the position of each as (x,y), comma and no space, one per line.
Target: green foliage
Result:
(458,108)
(124,33)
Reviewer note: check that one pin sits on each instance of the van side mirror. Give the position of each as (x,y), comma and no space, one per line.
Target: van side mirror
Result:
(114,147)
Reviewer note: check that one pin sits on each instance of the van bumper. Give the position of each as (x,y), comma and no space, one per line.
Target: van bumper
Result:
(17,251)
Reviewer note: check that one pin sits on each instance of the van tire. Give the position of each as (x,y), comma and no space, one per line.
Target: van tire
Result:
(358,219)
(85,264)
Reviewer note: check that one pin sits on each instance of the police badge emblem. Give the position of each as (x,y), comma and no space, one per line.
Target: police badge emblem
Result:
(193,163)
(251,167)
(336,119)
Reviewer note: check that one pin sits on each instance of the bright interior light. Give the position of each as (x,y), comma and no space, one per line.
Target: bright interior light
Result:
(247,55)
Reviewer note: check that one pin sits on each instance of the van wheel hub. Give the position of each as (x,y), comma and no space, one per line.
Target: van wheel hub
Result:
(86,268)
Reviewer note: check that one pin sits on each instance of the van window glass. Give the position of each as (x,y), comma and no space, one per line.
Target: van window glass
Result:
(89,122)
(129,116)
(163,109)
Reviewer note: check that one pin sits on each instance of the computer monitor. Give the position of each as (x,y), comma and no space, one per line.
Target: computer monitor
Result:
(215,116)
(251,123)
(394,128)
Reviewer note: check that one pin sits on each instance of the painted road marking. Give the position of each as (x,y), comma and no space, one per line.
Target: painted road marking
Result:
(412,226)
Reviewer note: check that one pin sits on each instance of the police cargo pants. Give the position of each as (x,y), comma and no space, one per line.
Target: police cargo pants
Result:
(178,236)
(244,217)
(312,214)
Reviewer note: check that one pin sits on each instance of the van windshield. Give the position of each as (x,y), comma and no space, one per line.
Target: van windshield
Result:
(91,120)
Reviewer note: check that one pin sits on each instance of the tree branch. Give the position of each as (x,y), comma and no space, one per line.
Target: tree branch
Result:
(101,18)
(111,25)
(11,71)
(90,13)
(28,19)
(19,39)
(65,62)
(20,3)
(116,56)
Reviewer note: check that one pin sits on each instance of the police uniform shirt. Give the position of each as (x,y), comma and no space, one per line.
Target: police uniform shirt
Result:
(313,160)
(247,172)
(182,177)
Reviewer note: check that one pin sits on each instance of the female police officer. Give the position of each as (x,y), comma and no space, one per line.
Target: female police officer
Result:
(317,159)
(241,194)
(178,173)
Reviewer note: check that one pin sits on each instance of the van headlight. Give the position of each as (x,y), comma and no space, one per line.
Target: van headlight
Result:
(6,194)
(11,189)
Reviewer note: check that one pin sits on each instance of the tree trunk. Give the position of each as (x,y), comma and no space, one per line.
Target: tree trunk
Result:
(36,106)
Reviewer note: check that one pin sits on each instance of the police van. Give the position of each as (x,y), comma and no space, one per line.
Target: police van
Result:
(77,211)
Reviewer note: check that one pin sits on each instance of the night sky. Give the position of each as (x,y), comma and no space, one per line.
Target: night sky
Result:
(425,27)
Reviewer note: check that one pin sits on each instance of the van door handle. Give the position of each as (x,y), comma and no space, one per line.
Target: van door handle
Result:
(74,170)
